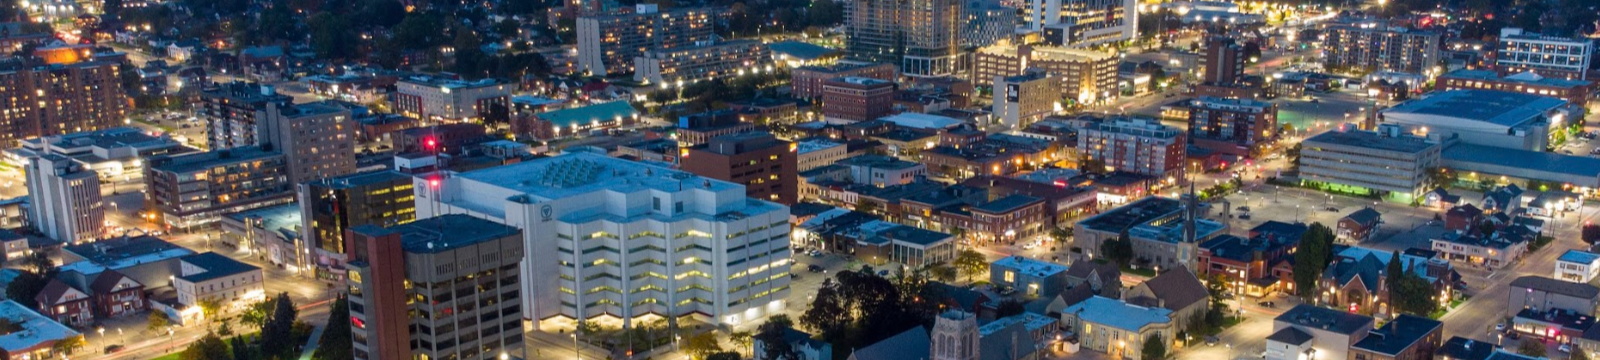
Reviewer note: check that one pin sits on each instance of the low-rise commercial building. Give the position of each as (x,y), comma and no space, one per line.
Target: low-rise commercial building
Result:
(1542,293)
(1034,278)
(808,80)
(1493,251)
(1573,91)
(1484,117)
(452,100)
(1406,337)
(216,277)
(1165,232)
(39,338)
(880,171)
(1386,162)
(817,152)
(1308,329)
(758,160)
(1577,266)
(1552,56)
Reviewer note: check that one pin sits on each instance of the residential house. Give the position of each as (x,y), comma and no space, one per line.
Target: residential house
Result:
(1440,198)
(1496,250)
(65,304)
(1462,217)
(802,343)
(1359,226)
(1103,278)
(1506,198)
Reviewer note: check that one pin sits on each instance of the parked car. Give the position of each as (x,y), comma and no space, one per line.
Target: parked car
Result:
(1565,348)
(883,273)
(113,349)
(1267,304)
(814,268)
(1212,340)
(815,253)
(1500,327)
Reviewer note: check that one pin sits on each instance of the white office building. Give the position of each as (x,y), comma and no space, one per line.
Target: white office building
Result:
(64,198)
(617,239)
(1549,56)
(430,98)
(1386,162)
(1577,266)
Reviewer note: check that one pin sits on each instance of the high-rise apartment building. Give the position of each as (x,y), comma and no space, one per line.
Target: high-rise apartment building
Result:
(703,62)
(1081,23)
(330,206)
(432,98)
(64,199)
(608,44)
(987,23)
(1373,46)
(1024,99)
(852,99)
(1224,60)
(757,160)
(1086,76)
(231,111)
(317,141)
(923,36)
(1240,127)
(1138,146)
(438,288)
(1550,56)
(624,239)
(195,189)
(41,99)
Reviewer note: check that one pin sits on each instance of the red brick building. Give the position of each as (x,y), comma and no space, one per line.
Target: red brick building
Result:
(65,304)
(850,99)
(808,79)
(1573,91)
(116,295)
(757,160)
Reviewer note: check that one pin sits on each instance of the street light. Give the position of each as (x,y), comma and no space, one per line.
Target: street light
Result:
(102,331)
(575,354)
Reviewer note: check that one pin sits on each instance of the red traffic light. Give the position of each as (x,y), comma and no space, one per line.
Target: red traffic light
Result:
(429,143)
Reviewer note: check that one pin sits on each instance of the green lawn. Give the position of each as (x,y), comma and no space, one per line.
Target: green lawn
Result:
(172,356)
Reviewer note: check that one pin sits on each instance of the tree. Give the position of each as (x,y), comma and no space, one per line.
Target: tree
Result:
(971,263)
(1294,154)
(210,308)
(943,272)
(1311,258)
(1578,354)
(702,345)
(1393,272)
(157,321)
(332,37)
(742,338)
(255,314)
(866,206)
(1591,233)
(226,329)
(336,332)
(241,349)
(25,287)
(469,54)
(209,347)
(774,341)
(277,334)
(68,345)
(827,315)
(1119,250)
(1154,348)
(1531,347)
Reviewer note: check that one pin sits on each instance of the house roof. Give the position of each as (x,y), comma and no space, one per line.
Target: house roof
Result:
(1010,342)
(1461,348)
(1118,314)
(1366,217)
(1085,269)
(1545,284)
(909,345)
(1324,318)
(106,282)
(1398,335)
(53,291)
(215,265)
(1290,335)
(1176,289)
(1579,256)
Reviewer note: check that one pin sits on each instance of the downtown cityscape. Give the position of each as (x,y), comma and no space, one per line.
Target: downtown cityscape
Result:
(799,180)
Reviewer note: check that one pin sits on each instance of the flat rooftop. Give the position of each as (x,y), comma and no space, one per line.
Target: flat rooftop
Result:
(1133,214)
(923,121)
(1324,318)
(876,161)
(1006,204)
(1523,159)
(215,265)
(1030,266)
(284,219)
(205,160)
(360,179)
(1524,78)
(1372,140)
(1398,335)
(442,233)
(584,115)
(1118,314)
(581,172)
(811,145)
(1496,107)
(36,329)
(1579,256)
